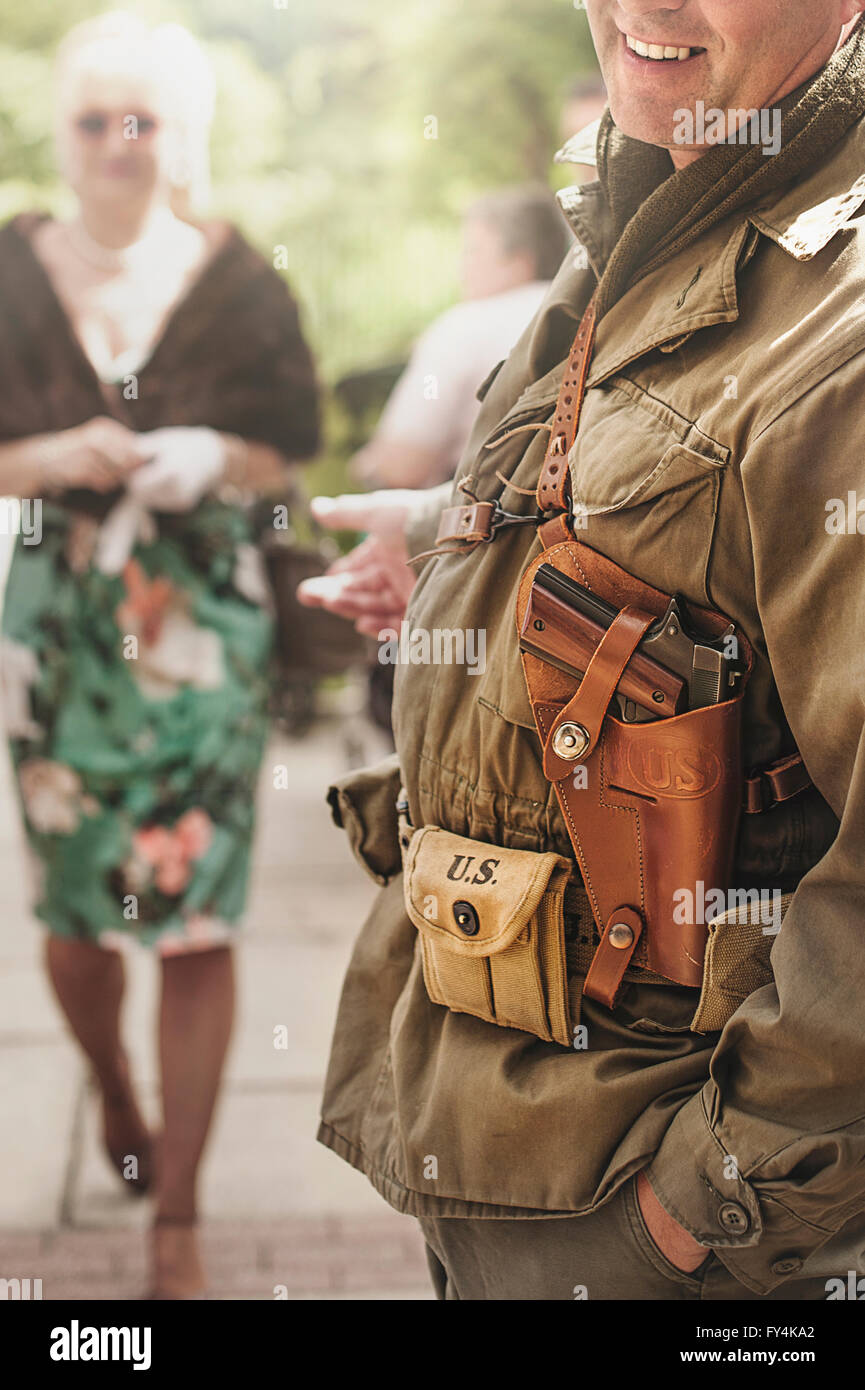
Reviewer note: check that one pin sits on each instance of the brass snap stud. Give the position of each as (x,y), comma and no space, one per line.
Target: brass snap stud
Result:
(570,741)
(621,936)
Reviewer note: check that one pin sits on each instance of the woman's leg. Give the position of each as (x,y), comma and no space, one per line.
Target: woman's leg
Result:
(88,982)
(195,1027)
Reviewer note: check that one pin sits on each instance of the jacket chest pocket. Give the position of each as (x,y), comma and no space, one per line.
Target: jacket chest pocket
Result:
(645,483)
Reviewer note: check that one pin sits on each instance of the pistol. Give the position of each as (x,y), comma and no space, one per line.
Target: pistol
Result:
(674,667)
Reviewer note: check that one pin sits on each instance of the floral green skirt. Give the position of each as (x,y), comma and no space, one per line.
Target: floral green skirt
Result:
(136,711)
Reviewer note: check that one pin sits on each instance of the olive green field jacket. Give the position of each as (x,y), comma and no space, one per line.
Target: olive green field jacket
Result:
(720,455)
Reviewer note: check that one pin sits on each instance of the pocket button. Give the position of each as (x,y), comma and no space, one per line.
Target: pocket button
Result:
(791,1264)
(734,1218)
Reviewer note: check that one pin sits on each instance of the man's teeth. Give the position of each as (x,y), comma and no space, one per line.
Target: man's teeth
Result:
(657,51)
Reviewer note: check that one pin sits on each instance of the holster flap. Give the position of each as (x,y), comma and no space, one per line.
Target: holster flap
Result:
(475,902)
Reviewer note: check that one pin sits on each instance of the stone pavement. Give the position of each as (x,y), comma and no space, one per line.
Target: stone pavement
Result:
(282,1216)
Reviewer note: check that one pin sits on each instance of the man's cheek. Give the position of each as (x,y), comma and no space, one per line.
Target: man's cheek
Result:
(601,24)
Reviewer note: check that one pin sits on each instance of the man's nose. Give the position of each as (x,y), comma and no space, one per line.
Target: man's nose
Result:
(640,9)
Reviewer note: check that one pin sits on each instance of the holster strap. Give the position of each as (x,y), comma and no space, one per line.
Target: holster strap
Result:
(613,956)
(589,705)
(553,491)
(765,787)
(552,532)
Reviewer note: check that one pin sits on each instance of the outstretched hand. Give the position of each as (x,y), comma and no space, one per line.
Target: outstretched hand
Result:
(372,584)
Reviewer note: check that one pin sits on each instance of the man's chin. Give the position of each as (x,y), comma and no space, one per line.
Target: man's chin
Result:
(649,127)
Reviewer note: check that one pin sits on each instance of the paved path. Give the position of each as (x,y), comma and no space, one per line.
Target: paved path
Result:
(282,1213)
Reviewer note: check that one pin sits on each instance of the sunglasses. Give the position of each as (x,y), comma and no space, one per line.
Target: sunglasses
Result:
(95,124)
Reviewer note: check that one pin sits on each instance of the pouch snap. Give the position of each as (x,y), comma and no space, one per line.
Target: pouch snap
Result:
(466,918)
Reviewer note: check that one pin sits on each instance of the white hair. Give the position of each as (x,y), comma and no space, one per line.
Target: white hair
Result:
(118,43)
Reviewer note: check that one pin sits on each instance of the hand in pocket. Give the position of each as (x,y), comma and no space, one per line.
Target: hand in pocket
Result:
(674,1242)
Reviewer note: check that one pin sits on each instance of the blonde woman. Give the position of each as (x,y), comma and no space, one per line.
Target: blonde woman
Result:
(154,372)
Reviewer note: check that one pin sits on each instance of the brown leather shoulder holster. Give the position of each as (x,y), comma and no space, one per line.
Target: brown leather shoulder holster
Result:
(653,808)
(650,808)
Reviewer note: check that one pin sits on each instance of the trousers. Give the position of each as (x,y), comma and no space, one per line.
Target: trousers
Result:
(605,1254)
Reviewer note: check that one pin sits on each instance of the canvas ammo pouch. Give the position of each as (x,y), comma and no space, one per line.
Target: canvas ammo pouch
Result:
(491,927)
(736,963)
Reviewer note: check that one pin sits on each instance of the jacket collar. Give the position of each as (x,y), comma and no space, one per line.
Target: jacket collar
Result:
(581,148)
(698,287)
(694,290)
(802,219)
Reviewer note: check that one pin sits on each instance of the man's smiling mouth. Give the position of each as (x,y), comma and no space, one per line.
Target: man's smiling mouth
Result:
(661,53)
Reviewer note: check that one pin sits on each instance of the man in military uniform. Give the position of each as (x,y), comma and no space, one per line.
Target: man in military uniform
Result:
(692,1143)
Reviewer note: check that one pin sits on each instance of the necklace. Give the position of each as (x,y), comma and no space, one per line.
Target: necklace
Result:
(118,257)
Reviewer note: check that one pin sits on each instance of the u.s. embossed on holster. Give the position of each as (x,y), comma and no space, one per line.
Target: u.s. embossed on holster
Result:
(656,805)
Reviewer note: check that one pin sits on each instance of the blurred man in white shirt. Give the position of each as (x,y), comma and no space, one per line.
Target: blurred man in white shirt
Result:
(513,243)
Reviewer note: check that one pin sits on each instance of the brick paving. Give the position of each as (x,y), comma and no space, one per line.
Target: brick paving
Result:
(320,1256)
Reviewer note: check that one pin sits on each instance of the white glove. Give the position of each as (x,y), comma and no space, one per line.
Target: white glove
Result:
(127,523)
(185,462)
